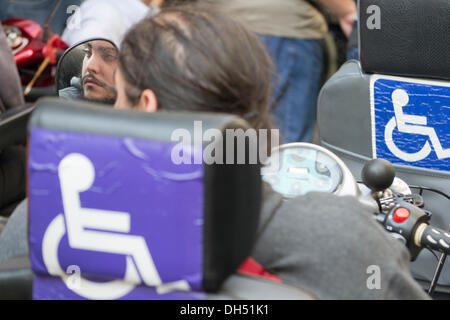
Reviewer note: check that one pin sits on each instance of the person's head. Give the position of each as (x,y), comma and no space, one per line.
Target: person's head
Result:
(194,58)
(97,75)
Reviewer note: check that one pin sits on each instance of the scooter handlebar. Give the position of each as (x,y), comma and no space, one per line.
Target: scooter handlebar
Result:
(433,238)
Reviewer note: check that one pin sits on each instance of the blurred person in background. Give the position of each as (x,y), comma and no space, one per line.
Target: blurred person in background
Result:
(293,32)
(39,11)
(106,19)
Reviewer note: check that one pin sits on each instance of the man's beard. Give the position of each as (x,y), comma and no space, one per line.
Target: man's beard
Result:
(110,101)
(105,100)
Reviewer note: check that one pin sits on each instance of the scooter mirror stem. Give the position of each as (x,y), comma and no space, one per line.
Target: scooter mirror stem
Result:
(49,18)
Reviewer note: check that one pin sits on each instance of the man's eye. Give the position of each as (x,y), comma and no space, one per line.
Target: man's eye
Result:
(87,52)
(109,58)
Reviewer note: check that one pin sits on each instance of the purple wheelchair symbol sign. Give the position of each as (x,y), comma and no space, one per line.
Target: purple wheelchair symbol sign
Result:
(123,213)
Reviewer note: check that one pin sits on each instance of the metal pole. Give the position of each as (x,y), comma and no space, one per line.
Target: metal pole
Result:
(437,273)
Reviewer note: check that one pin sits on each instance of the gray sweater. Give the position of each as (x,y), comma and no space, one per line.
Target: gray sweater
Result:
(332,247)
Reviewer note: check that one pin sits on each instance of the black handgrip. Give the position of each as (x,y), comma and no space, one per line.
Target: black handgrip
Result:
(433,238)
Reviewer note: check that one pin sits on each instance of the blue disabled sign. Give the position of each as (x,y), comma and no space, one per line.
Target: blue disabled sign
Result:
(411,121)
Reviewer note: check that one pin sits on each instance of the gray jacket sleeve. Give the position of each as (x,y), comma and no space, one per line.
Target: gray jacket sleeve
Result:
(332,247)
(11,94)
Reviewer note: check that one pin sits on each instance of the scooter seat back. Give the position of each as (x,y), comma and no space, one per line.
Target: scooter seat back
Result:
(404,120)
(13,126)
(122,206)
(405,37)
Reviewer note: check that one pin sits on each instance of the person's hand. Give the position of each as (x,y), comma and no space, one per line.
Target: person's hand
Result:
(344,10)
(346,23)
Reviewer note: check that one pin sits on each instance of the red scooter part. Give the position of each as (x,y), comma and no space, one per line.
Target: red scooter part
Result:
(26,39)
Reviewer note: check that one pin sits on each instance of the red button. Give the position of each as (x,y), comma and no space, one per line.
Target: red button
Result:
(401,214)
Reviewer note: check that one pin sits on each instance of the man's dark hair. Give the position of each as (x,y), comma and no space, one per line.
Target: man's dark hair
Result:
(194,57)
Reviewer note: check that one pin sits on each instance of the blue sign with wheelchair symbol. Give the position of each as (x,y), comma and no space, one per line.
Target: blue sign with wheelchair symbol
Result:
(411,122)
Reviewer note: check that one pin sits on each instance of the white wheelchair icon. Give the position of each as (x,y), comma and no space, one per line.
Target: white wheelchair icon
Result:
(411,124)
(109,233)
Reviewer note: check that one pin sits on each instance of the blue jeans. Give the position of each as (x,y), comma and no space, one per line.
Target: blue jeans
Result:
(353,53)
(353,49)
(38,11)
(299,64)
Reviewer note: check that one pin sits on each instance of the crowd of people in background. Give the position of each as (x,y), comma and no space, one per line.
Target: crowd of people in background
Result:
(293,32)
